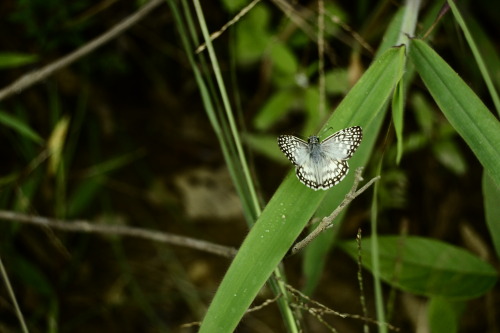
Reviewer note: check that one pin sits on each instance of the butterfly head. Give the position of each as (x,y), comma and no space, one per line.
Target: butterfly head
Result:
(313,139)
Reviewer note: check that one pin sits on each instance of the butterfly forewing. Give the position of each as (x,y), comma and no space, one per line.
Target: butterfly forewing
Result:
(342,144)
(294,148)
(321,165)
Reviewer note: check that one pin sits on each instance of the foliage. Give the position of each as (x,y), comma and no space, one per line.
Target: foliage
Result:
(111,138)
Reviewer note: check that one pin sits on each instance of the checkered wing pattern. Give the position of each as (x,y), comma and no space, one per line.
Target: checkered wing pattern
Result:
(294,148)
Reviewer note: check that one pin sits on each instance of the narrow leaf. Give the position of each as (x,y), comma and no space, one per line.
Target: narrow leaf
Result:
(461,106)
(19,126)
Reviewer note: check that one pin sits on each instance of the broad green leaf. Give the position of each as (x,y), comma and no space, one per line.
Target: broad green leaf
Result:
(19,126)
(460,105)
(427,267)
(283,218)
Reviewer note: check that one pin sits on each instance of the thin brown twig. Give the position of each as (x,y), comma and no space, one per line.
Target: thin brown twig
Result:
(12,295)
(118,230)
(360,280)
(255,308)
(235,19)
(31,78)
(323,309)
(321,57)
(326,222)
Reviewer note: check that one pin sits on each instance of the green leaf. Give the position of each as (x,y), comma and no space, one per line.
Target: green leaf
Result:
(233,6)
(397,118)
(19,126)
(444,315)
(283,58)
(265,145)
(491,193)
(32,276)
(316,252)
(274,109)
(449,154)
(283,218)
(84,195)
(427,267)
(251,36)
(336,81)
(11,60)
(461,106)
(424,113)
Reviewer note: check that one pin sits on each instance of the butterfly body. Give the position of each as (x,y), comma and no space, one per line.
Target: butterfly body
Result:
(322,164)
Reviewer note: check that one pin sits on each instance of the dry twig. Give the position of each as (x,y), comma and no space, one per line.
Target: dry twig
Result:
(327,221)
(31,78)
(117,230)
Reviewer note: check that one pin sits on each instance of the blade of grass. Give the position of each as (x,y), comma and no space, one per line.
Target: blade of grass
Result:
(477,55)
(19,126)
(375,257)
(461,106)
(293,204)
(235,166)
(227,107)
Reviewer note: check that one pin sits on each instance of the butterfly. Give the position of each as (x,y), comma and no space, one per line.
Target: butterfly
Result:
(322,164)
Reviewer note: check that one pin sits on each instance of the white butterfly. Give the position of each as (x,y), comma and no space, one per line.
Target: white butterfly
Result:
(321,165)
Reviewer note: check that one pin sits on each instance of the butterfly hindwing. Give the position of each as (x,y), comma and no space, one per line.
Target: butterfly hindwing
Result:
(323,174)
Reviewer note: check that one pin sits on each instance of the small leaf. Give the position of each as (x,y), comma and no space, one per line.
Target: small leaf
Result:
(56,142)
(275,108)
(11,60)
(19,126)
(448,153)
(283,58)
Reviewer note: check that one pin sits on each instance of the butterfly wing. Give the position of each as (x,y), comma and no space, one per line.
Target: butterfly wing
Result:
(342,144)
(322,173)
(294,148)
(327,165)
